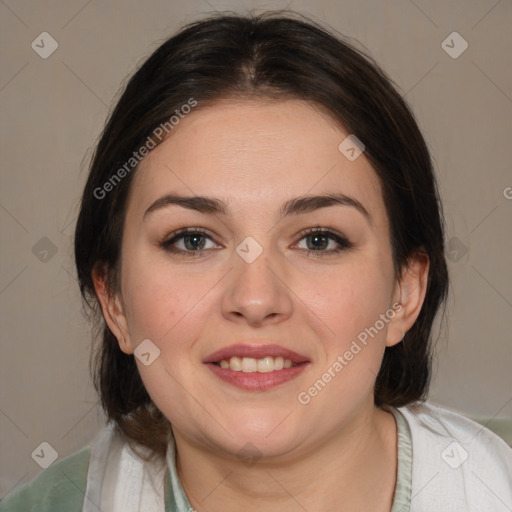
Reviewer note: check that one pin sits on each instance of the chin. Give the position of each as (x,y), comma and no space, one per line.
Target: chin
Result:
(265,434)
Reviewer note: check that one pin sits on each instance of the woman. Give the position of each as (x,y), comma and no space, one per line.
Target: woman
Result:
(262,231)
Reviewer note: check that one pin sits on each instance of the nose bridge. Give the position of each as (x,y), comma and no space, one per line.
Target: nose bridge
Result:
(255,292)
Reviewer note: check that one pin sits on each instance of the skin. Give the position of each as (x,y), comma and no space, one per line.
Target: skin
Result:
(338,452)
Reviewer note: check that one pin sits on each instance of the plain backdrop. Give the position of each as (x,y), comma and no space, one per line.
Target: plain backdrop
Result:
(53,111)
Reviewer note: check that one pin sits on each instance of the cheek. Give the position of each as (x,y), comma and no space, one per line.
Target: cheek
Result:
(170,309)
(349,298)
(350,302)
(161,305)
(350,305)
(153,308)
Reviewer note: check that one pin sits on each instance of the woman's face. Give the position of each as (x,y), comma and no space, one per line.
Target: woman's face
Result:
(250,281)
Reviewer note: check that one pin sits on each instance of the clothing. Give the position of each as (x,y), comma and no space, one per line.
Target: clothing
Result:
(434,474)
(59,488)
(458,465)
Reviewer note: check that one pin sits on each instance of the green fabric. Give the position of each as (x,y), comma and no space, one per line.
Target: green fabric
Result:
(175,500)
(402,498)
(61,487)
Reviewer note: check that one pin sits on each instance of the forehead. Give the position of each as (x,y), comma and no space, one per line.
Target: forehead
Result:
(256,153)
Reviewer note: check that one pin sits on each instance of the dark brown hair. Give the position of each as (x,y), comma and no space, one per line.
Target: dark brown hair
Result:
(273,55)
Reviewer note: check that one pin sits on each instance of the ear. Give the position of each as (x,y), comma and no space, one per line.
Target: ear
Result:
(112,308)
(409,294)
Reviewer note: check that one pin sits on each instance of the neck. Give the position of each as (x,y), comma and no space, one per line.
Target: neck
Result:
(354,469)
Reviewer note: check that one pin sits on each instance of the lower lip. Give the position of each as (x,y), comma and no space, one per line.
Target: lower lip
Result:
(255,381)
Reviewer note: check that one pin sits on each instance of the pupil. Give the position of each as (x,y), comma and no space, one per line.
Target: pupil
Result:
(318,242)
(193,242)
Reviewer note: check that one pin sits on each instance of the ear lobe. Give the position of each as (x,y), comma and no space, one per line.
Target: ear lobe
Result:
(410,292)
(111,306)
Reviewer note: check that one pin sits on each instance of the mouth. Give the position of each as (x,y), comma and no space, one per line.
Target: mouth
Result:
(256,367)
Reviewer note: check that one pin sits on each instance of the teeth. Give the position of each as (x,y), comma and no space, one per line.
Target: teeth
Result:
(235,363)
(249,364)
(266,365)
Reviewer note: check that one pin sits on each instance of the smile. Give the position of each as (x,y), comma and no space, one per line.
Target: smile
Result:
(256,367)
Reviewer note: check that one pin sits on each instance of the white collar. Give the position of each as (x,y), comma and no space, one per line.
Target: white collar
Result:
(118,480)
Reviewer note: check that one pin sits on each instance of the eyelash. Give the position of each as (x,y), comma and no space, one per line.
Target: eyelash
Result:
(343,243)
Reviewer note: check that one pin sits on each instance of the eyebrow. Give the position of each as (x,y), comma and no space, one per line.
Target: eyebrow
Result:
(297,205)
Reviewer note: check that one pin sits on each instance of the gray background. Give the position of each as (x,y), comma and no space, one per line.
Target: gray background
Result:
(53,110)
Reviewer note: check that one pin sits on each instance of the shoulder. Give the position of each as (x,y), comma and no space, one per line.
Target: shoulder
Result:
(456,461)
(431,423)
(59,488)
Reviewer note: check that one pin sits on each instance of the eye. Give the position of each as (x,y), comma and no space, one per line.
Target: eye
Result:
(194,241)
(188,240)
(320,242)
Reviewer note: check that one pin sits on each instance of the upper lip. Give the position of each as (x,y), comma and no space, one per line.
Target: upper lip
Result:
(255,351)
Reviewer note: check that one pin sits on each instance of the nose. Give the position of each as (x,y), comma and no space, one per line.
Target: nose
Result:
(256,293)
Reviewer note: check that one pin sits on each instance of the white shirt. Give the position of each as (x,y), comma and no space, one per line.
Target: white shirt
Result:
(457,464)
